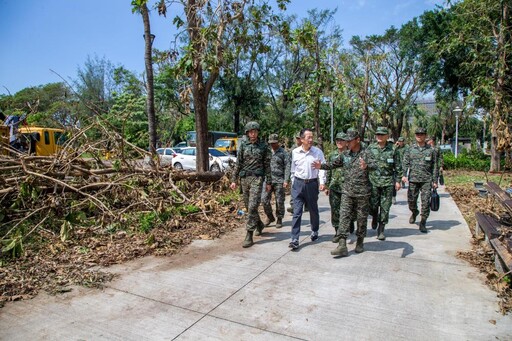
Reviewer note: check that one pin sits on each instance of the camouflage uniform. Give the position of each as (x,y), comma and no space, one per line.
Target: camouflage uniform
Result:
(439,158)
(355,190)
(420,165)
(252,166)
(401,150)
(335,180)
(280,173)
(383,179)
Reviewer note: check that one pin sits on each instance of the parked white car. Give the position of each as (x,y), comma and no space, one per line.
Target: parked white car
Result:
(166,155)
(219,161)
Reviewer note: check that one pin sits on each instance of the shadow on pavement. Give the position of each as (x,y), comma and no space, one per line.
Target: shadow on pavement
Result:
(386,245)
(442,225)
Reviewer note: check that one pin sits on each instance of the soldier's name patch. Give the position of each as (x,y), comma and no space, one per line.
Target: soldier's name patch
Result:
(428,158)
(390,160)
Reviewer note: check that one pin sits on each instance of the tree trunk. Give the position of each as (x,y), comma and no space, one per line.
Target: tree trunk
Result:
(201,115)
(200,87)
(495,154)
(501,65)
(148,59)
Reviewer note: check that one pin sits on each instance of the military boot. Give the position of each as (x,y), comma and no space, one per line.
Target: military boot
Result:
(248,242)
(259,229)
(380,232)
(374,222)
(423,225)
(336,238)
(341,250)
(359,245)
(279,223)
(412,219)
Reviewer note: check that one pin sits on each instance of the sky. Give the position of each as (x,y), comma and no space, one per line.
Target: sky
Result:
(47,41)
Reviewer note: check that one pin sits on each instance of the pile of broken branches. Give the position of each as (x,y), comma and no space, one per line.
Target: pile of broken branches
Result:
(63,216)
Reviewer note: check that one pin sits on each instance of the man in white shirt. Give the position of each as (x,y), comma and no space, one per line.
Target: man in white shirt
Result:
(306,185)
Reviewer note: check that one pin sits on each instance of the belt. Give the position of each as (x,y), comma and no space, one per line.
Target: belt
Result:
(306,181)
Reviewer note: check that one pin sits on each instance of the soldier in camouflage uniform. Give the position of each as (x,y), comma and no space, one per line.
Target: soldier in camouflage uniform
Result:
(280,175)
(400,147)
(384,179)
(420,170)
(439,155)
(252,166)
(335,179)
(355,191)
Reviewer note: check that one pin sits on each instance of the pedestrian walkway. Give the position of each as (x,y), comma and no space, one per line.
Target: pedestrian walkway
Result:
(409,287)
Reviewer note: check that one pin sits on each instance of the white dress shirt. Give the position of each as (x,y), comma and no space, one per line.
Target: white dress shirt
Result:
(302,164)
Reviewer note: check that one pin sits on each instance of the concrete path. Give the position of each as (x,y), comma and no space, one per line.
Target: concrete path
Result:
(409,287)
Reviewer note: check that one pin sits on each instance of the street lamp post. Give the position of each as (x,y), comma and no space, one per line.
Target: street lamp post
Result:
(457,112)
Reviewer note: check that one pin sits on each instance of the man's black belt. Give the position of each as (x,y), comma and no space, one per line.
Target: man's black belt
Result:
(306,180)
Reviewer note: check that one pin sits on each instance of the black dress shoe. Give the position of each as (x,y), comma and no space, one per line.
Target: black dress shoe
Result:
(294,245)
(314,236)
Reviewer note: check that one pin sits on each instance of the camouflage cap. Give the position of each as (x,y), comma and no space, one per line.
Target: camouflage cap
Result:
(401,139)
(297,135)
(382,131)
(352,134)
(420,130)
(341,136)
(273,138)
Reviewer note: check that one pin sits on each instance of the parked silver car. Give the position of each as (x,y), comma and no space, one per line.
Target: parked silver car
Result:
(166,155)
(219,161)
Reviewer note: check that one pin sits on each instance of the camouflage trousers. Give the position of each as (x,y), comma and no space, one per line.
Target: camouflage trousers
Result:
(251,191)
(415,188)
(353,207)
(380,202)
(335,203)
(266,199)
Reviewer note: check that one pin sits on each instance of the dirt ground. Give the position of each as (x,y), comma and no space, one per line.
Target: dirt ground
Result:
(481,255)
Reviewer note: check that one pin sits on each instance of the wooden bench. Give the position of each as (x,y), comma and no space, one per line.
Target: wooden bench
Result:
(487,225)
(503,263)
(502,196)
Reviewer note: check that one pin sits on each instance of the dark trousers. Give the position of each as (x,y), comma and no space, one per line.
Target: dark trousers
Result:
(304,192)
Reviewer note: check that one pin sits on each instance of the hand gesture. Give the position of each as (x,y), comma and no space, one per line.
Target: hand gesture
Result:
(362,163)
(316,164)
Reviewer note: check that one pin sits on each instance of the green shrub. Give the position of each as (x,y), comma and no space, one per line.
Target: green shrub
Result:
(469,160)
